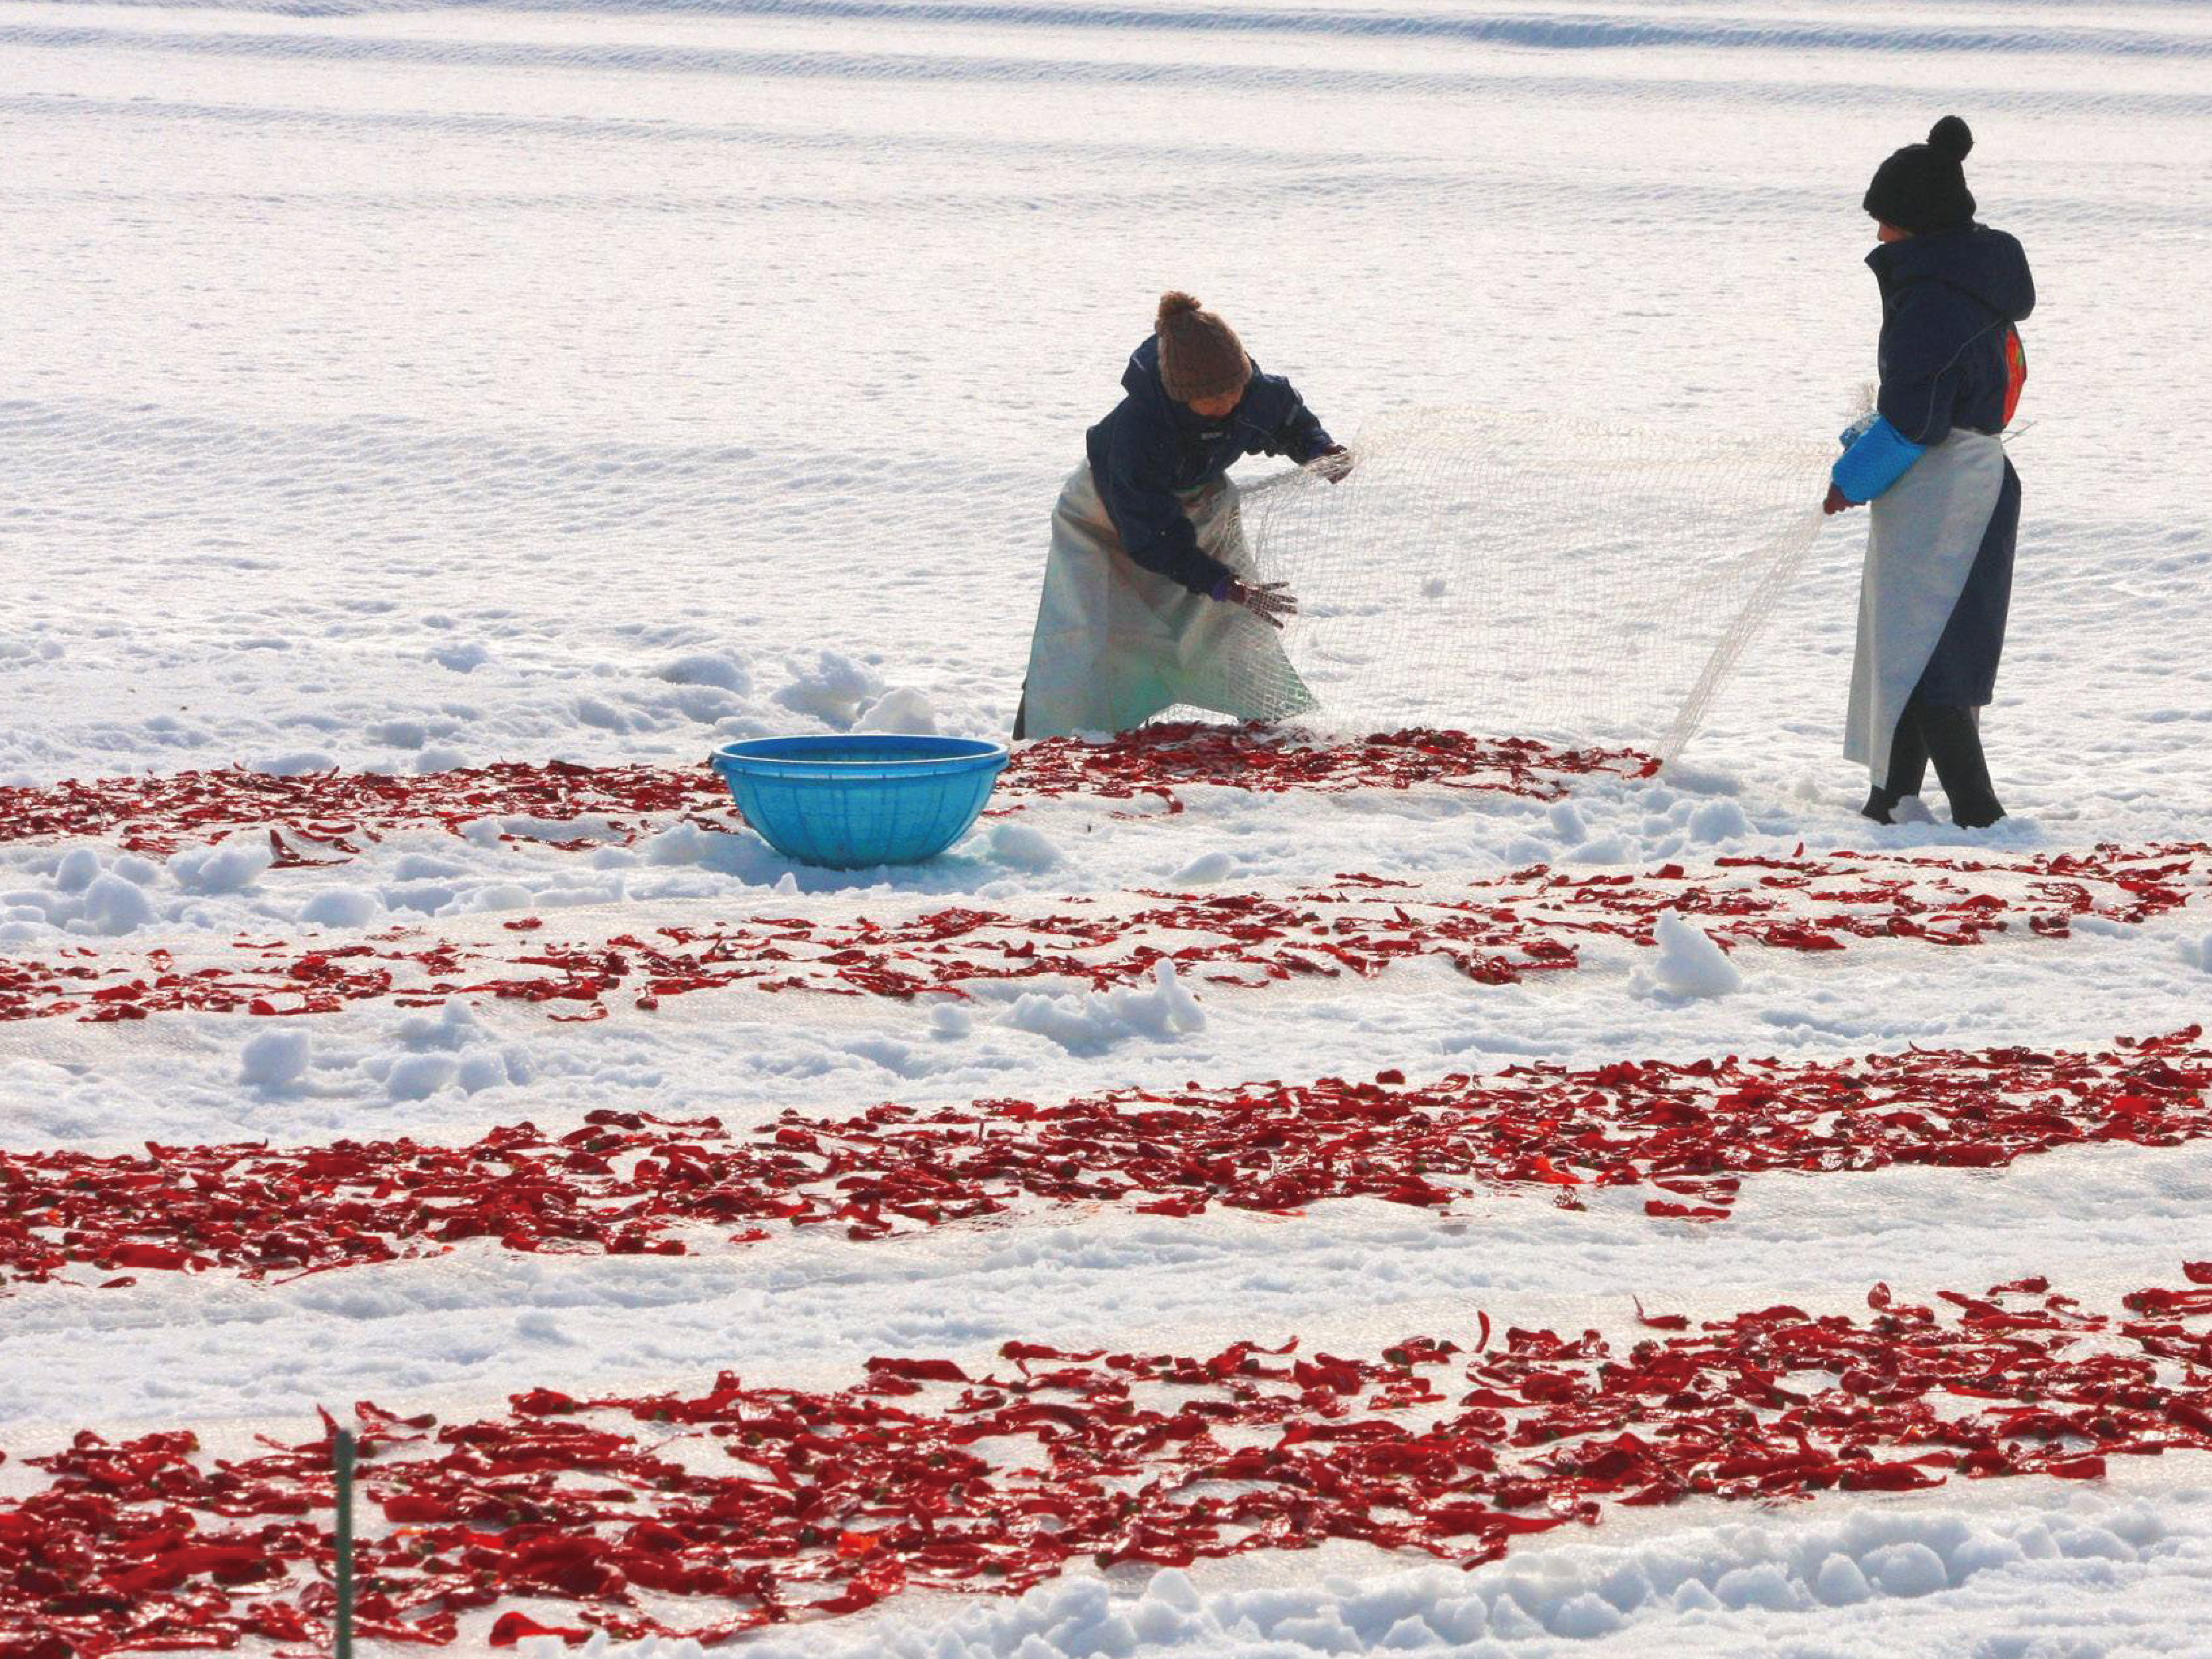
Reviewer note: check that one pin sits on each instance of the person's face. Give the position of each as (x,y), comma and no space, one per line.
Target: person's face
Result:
(1212,408)
(1886,232)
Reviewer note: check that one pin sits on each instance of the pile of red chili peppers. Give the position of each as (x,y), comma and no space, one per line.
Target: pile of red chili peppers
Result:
(1494,932)
(625,1183)
(1154,760)
(747,1506)
(758,1505)
(332,814)
(326,818)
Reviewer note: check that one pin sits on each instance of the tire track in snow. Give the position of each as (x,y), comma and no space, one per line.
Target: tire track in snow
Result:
(1276,80)
(1584,31)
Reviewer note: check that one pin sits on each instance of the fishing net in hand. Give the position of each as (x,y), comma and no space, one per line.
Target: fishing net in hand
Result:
(1532,574)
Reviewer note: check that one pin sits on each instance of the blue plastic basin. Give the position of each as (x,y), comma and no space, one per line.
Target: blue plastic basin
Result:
(853,803)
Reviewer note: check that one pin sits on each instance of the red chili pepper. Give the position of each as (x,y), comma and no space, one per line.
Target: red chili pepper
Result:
(1662,1321)
(1502,931)
(512,1628)
(629,1184)
(339,810)
(818,1503)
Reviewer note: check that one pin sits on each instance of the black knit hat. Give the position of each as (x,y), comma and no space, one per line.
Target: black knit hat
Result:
(1923,186)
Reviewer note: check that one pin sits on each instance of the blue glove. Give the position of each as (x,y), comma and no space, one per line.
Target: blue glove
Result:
(1877,458)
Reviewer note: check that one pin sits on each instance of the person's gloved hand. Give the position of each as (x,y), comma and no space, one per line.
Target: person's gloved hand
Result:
(1269,601)
(1334,463)
(1836,501)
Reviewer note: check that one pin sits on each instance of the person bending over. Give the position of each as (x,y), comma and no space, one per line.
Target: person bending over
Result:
(1938,576)
(1149,597)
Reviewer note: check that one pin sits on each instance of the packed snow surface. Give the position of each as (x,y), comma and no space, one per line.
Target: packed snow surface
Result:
(408,387)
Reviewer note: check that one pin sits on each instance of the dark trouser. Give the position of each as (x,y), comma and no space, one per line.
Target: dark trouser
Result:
(1946,734)
(1938,723)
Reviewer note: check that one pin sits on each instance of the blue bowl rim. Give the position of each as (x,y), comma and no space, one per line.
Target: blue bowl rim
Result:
(800,757)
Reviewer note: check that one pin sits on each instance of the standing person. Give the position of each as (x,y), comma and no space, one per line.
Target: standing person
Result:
(1148,596)
(1938,578)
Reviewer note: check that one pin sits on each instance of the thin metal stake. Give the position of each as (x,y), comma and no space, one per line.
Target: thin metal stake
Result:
(342,1454)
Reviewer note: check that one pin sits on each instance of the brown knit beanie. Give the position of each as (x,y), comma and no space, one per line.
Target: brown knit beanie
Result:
(1200,356)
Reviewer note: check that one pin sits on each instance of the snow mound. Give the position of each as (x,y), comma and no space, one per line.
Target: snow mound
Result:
(1718,821)
(1023,846)
(449,1048)
(1921,1581)
(834,690)
(1911,809)
(724,673)
(451,1028)
(1689,964)
(227,867)
(342,907)
(1911,1569)
(76,871)
(111,906)
(418,1077)
(398,733)
(1204,869)
(297,763)
(276,1061)
(901,709)
(1094,1021)
(461,657)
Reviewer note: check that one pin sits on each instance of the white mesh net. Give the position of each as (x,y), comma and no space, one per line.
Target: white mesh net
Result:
(1531,575)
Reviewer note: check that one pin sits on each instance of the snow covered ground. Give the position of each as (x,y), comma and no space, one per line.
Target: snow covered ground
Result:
(407,387)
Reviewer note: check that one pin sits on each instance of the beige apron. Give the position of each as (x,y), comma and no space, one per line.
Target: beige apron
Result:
(1116,644)
(1925,532)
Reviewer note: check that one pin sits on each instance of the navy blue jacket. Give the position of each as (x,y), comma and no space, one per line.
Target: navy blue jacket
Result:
(1152,446)
(1946,297)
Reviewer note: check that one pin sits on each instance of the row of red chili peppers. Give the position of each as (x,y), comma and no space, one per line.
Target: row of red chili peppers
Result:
(1495,931)
(325,818)
(766,1505)
(625,1183)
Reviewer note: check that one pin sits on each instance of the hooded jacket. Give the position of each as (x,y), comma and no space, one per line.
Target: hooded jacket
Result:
(1151,447)
(1945,298)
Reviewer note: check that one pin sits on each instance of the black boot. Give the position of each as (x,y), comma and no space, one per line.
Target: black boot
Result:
(1954,743)
(1908,767)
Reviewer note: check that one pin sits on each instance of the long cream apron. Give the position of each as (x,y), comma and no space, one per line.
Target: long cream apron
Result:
(1926,529)
(1116,644)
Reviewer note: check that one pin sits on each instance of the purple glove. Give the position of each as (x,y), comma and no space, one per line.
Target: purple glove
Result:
(1268,601)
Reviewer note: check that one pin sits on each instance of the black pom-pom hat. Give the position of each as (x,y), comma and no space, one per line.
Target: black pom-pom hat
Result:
(1922,187)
